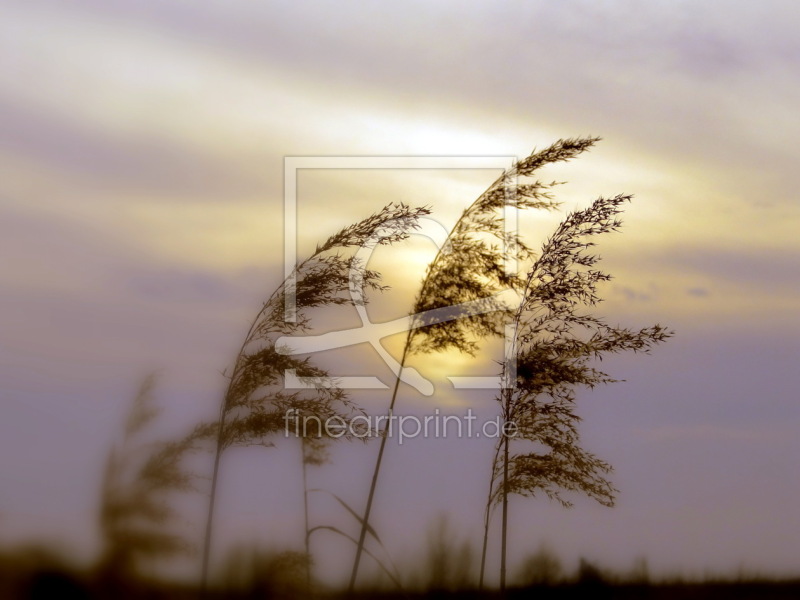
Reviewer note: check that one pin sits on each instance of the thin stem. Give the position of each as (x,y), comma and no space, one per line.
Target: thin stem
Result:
(211,502)
(505,517)
(487,516)
(507,411)
(365,521)
(305,514)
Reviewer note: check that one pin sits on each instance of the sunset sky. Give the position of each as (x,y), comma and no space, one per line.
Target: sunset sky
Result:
(142,148)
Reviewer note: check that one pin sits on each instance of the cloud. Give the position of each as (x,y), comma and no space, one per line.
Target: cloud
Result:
(698,292)
(111,161)
(759,270)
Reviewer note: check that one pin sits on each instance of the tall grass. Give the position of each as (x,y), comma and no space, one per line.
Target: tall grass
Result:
(556,343)
(256,400)
(458,303)
(139,479)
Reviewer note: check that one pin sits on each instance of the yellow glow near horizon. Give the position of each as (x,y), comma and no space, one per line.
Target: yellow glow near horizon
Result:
(156,88)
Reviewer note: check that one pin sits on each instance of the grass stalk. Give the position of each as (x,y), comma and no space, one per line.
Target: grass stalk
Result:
(468,270)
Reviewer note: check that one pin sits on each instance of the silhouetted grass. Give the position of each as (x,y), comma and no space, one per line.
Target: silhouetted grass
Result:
(458,304)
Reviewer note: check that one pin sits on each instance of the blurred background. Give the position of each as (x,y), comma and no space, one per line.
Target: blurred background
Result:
(142,149)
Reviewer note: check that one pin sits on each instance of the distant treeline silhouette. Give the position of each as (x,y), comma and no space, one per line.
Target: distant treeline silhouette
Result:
(446,568)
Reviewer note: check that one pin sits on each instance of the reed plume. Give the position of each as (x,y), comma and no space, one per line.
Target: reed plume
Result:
(556,343)
(139,481)
(256,401)
(458,303)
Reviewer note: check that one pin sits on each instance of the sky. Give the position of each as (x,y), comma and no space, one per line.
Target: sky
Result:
(142,149)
